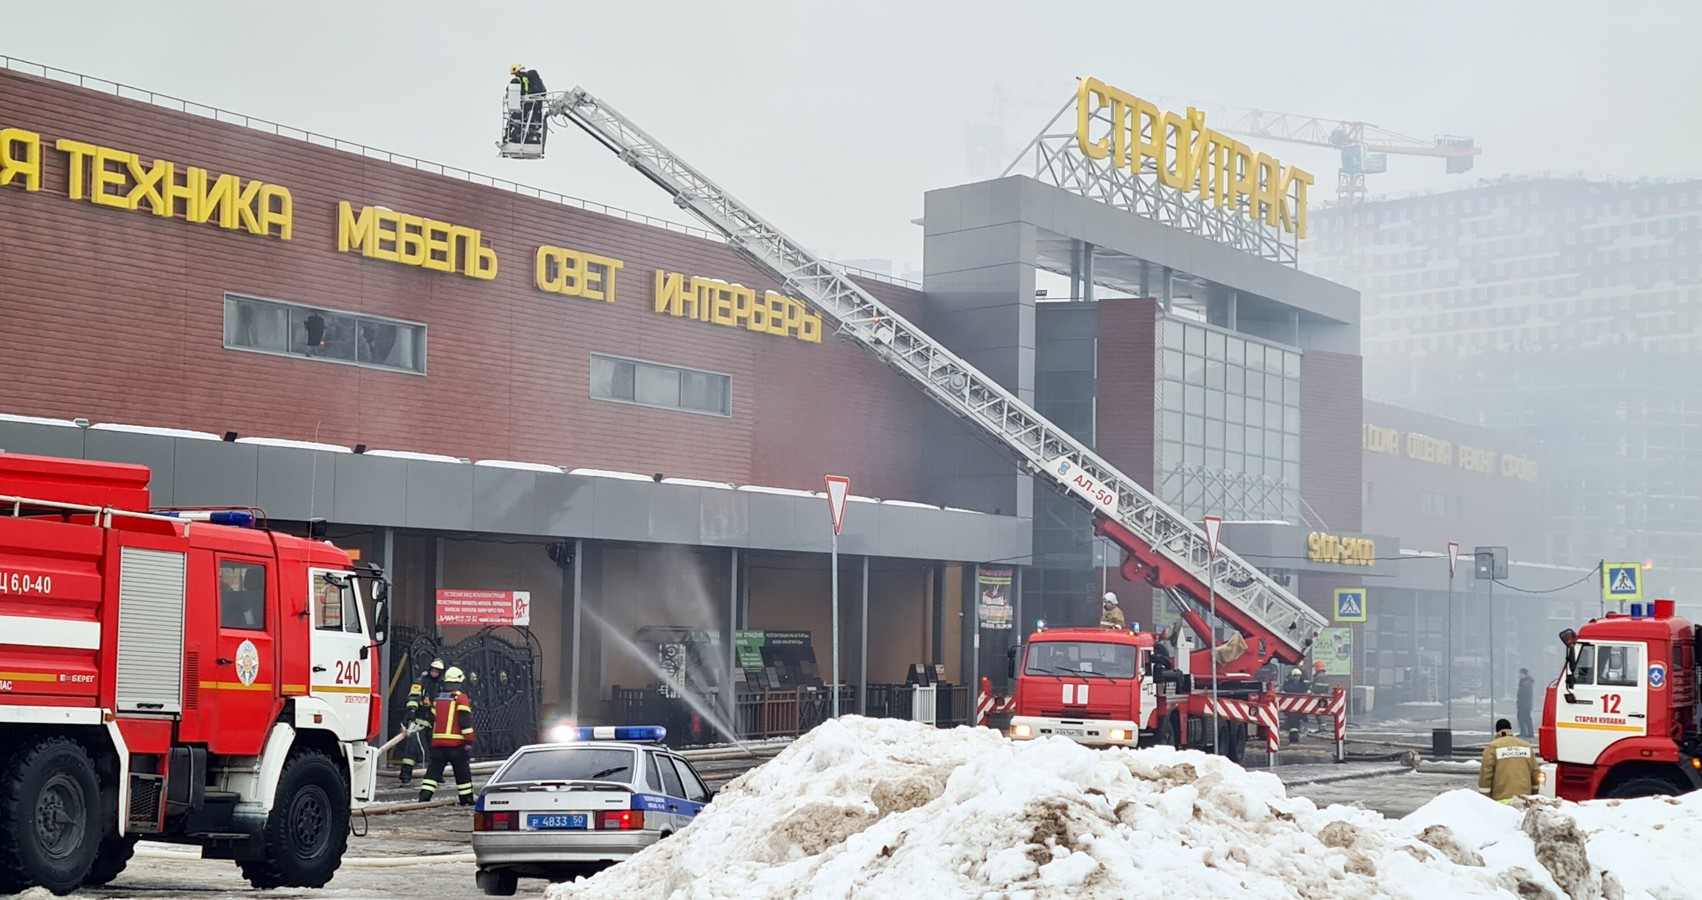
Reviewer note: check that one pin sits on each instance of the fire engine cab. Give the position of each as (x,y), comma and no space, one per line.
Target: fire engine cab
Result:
(1621,721)
(182,675)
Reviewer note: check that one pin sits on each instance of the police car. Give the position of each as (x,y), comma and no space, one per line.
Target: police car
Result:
(576,807)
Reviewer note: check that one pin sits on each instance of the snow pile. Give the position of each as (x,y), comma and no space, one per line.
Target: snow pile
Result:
(885,808)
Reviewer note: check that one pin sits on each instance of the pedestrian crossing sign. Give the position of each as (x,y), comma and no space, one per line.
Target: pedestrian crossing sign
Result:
(1622,581)
(1350,604)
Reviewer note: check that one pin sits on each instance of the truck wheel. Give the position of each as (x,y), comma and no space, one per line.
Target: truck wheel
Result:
(308,827)
(1232,740)
(498,882)
(1643,786)
(49,798)
(114,855)
(1165,733)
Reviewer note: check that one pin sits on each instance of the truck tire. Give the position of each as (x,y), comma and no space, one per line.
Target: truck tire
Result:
(1232,741)
(308,827)
(1165,734)
(1643,786)
(49,800)
(114,855)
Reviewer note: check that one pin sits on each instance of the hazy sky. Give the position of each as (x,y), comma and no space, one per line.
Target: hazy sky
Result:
(833,119)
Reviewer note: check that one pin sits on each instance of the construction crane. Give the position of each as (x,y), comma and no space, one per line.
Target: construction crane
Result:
(1364,147)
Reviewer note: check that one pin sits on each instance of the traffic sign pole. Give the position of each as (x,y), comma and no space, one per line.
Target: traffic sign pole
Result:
(838,487)
(1453,565)
(1214,525)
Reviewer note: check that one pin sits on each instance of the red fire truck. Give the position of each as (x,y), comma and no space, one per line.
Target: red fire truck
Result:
(187,676)
(1108,687)
(1621,721)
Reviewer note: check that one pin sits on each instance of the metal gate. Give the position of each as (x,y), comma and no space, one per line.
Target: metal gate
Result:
(502,679)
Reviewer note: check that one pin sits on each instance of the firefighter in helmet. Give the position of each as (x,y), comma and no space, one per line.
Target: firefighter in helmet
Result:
(1110,615)
(415,747)
(451,739)
(1320,687)
(1294,684)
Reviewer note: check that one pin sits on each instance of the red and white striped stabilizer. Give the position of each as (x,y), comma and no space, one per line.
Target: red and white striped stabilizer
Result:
(1231,709)
(1338,710)
(984,703)
(1304,704)
(1268,721)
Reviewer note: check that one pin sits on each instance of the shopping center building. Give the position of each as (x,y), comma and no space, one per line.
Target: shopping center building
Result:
(495,392)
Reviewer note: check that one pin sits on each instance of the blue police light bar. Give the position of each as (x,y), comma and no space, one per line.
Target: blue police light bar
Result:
(646,733)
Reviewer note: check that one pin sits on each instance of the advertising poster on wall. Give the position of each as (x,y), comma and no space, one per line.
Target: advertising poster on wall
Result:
(1335,650)
(994,586)
(459,607)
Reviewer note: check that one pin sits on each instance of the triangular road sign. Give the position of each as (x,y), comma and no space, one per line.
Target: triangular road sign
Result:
(1214,524)
(1453,557)
(838,488)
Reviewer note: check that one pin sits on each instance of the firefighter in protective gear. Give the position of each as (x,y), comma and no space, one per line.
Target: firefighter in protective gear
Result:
(1320,687)
(451,739)
(527,126)
(1110,616)
(1509,768)
(415,747)
(1294,684)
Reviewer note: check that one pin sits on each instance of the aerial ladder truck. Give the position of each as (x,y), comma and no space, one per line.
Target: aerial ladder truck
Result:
(1160,546)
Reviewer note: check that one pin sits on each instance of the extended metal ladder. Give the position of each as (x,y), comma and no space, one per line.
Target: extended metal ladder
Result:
(955,384)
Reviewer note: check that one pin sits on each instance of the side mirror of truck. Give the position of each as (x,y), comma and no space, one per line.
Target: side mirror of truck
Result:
(1010,662)
(380,613)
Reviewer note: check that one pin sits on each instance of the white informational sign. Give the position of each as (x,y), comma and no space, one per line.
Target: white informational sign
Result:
(1083,485)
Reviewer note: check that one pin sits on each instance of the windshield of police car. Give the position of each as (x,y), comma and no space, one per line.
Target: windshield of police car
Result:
(1081,658)
(571,764)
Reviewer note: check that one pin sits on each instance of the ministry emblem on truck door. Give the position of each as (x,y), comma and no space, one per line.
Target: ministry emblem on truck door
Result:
(247,662)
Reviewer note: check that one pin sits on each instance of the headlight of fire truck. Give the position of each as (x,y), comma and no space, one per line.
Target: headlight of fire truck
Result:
(1021,730)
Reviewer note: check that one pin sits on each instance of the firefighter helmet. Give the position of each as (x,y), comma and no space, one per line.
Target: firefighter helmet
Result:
(1110,599)
(454,676)
(1318,666)
(436,664)
(516,69)
(1296,671)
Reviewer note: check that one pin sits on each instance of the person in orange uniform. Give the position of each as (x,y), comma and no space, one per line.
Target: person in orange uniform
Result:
(451,738)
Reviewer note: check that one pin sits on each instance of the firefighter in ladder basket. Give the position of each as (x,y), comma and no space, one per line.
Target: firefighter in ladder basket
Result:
(451,739)
(1110,615)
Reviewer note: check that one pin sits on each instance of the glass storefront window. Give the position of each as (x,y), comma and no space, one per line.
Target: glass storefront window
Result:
(1229,423)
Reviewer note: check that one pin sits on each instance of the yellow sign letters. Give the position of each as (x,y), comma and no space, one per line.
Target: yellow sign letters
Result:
(1424,448)
(385,234)
(734,305)
(1329,548)
(107,176)
(1185,155)
(573,273)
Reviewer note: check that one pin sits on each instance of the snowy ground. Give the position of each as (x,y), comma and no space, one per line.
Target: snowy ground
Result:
(867,808)
(881,808)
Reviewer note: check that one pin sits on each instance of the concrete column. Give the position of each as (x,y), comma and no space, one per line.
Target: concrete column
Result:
(729,698)
(937,595)
(863,651)
(1164,287)
(573,624)
(1230,302)
(1087,292)
(970,620)
(1076,292)
(386,546)
(1294,326)
(436,585)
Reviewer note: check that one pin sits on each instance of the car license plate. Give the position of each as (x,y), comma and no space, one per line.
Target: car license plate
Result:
(565,821)
(1069,732)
